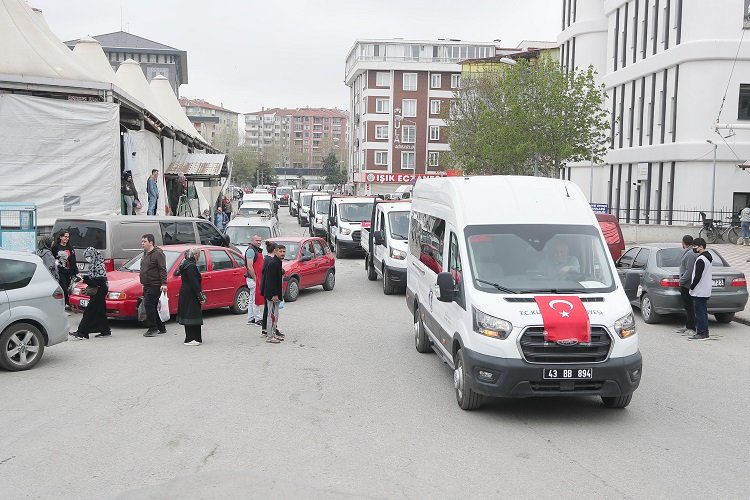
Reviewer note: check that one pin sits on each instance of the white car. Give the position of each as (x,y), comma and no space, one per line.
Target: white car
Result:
(254,208)
(32,311)
(240,230)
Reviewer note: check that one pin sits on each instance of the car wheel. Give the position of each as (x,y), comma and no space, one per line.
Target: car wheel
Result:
(371,274)
(330,281)
(466,398)
(421,341)
(21,347)
(647,310)
(388,287)
(339,251)
(617,401)
(724,317)
(241,301)
(292,290)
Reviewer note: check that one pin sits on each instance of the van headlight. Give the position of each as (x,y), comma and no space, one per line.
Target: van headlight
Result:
(490,326)
(397,254)
(345,231)
(625,326)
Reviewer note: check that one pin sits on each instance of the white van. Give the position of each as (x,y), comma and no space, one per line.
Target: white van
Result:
(345,218)
(518,295)
(385,244)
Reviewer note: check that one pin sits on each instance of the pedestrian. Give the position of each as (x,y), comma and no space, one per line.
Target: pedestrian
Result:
(253,271)
(220,219)
(700,288)
(154,280)
(259,299)
(189,313)
(152,188)
(227,207)
(95,313)
(272,288)
(745,223)
(687,262)
(67,267)
(44,251)
(129,193)
(206,215)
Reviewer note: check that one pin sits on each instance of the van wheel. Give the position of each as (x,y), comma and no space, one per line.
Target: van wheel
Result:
(371,274)
(421,342)
(388,287)
(647,310)
(241,301)
(724,317)
(465,396)
(330,281)
(617,401)
(339,251)
(292,290)
(21,347)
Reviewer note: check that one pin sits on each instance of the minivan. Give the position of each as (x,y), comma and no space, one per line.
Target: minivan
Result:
(118,237)
(612,234)
(521,299)
(346,215)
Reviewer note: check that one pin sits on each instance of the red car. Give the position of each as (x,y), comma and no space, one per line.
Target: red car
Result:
(223,279)
(308,263)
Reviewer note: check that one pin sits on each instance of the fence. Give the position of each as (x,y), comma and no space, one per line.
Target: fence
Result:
(680,217)
(18,226)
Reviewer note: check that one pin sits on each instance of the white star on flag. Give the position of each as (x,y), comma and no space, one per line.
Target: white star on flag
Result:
(565,314)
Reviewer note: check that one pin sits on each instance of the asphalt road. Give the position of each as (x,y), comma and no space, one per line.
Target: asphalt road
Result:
(347,408)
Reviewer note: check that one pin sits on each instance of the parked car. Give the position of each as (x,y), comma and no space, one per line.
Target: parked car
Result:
(610,227)
(282,195)
(242,229)
(308,263)
(255,208)
(32,311)
(223,271)
(650,276)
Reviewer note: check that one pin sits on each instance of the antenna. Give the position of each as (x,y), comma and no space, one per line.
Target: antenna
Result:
(120,15)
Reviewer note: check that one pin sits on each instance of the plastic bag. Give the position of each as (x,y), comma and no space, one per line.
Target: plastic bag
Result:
(163,307)
(142,316)
(281,305)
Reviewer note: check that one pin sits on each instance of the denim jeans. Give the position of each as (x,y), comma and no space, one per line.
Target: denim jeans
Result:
(152,206)
(701,315)
(745,230)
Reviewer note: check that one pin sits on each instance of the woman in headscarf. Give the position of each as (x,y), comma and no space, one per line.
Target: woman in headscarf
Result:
(95,314)
(189,313)
(45,252)
(67,267)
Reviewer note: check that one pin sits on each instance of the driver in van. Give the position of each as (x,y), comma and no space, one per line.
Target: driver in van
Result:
(561,264)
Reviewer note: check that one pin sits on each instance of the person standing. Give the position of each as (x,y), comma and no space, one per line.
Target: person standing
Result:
(220,219)
(253,272)
(152,189)
(154,280)
(189,313)
(745,223)
(700,288)
(259,299)
(272,288)
(45,253)
(687,262)
(95,314)
(129,193)
(67,267)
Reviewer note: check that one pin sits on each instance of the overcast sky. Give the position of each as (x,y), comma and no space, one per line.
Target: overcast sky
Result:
(248,53)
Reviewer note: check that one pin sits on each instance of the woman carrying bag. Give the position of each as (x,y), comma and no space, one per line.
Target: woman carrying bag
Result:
(189,313)
(95,314)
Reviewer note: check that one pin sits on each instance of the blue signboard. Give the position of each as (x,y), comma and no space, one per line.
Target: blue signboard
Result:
(600,208)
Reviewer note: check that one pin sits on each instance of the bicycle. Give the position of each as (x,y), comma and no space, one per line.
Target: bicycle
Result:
(714,230)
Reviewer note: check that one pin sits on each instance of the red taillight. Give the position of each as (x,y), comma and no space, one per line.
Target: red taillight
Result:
(739,282)
(58,294)
(109,265)
(670,282)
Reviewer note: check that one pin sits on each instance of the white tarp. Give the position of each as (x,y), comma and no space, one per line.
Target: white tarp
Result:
(62,155)
(148,156)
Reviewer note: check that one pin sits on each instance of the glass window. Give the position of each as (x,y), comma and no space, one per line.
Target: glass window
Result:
(292,249)
(242,235)
(455,81)
(239,260)
(434,107)
(627,259)
(399,222)
(83,233)
(15,274)
(201,264)
(209,235)
(355,212)
(433,159)
(743,112)
(454,261)
(383,79)
(220,260)
(381,131)
(642,259)
(409,134)
(408,160)
(134,264)
(319,250)
(426,240)
(409,107)
(381,157)
(435,80)
(382,105)
(410,81)
(176,233)
(434,133)
(307,250)
(671,257)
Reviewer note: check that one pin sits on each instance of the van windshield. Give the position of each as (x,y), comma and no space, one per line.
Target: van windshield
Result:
(399,222)
(322,206)
(83,233)
(355,212)
(538,258)
(304,199)
(134,264)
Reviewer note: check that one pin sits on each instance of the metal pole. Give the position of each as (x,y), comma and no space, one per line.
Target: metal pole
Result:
(713,185)
(591,180)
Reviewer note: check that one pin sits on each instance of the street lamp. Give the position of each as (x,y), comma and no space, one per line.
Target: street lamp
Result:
(713,180)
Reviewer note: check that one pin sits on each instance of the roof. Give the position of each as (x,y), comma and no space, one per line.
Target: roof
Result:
(204,104)
(199,165)
(125,40)
(323,112)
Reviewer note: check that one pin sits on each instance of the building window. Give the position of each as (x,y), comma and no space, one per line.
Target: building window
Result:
(744,108)
(381,158)
(410,81)
(455,81)
(435,80)
(382,105)
(409,107)
(408,160)
(434,133)
(409,134)
(434,107)
(383,79)
(381,131)
(433,159)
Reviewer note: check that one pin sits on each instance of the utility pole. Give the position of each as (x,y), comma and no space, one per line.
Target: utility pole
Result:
(713,181)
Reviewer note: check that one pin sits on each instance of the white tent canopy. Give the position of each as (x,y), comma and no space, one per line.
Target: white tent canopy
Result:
(88,52)
(133,81)
(170,107)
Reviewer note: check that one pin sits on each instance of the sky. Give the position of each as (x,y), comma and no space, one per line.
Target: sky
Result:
(248,54)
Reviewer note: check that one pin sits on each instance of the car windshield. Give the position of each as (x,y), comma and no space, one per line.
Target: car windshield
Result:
(671,257)
(355,212)
(134,264)
(242,235)
(399,222)
(247,210)
(283,190)
(322,206)
(304,199)
(292,249)
(538,258)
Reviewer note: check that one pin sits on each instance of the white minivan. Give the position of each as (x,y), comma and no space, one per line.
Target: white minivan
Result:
(509,280)
(385,244)
(346,215)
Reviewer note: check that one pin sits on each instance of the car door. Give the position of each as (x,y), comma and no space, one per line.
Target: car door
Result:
(221,275)
(306,267)
(631,275)
(379,251)
(321,262)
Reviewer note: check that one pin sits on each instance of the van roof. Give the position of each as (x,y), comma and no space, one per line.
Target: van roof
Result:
(353,199)
(395,206)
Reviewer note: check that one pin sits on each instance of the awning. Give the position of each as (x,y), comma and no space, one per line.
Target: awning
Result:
(199,165)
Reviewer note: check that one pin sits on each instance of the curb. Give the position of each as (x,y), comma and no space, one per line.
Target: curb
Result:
(744,321)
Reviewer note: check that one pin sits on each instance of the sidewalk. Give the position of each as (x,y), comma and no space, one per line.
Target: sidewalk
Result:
(737,256)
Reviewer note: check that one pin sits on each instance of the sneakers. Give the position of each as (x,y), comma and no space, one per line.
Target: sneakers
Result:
(192,342)
(253,322)
(263,333)
(79,336)
(151,333)
(103,334)
(699,336)
(681,330)
(162,330)
(688,332)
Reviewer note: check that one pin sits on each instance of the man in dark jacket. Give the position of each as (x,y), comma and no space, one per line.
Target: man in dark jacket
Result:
(686,274)
(272,291)
(154,281)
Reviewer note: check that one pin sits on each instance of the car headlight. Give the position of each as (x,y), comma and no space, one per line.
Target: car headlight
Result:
(397,254)
(345,231)
(490,326)
(117,296)
(625,326)
(76,291)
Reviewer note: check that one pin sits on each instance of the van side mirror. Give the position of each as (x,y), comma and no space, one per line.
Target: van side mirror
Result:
(446,287)
(377,237)
(332,220)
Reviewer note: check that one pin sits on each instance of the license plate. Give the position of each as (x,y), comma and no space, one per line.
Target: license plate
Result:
(83,303)
(719,283)
(567,373)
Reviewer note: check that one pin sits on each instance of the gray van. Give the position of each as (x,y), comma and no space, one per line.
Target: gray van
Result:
(118,237)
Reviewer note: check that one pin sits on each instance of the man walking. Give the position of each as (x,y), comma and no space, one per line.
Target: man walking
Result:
(152,188)
(253,272)
(700,288)
(272,288)
(154,281)
(220,219)
(687,262)
(745,223)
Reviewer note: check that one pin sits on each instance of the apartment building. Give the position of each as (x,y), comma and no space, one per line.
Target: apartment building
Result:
(216,124)
(677,73)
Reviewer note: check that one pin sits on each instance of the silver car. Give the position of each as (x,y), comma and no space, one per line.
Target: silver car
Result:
(32,311)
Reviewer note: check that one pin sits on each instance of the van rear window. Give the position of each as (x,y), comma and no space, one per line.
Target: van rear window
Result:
(611,234)
(83,233)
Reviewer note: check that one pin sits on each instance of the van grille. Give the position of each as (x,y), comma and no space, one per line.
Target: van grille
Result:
(536,350)
(356,236)
(566,385)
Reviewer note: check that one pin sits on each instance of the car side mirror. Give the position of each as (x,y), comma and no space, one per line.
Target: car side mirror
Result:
(446,287)
(377,237)
(305,258)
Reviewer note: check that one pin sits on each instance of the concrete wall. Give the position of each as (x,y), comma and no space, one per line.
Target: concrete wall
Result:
(652,233)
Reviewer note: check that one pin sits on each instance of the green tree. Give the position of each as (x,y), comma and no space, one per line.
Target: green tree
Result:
(527,119)
(265,173)
(332,170)
(244,163)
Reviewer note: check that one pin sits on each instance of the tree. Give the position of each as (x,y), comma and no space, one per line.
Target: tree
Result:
(244,163)
(332,171)
(529,118)
(265,173)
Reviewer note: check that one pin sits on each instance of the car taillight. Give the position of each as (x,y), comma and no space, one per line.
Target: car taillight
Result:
(739,282)
(670,282)
(109,265)
(58,294)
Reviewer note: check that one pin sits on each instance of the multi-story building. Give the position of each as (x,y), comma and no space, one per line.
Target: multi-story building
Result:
(677,73)
(216,124)
(297,138)
(155,58)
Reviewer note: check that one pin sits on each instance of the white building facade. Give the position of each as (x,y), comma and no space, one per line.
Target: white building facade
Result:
(677,75)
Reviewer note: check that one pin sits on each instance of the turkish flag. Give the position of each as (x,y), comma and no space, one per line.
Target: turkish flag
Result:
(564,318)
